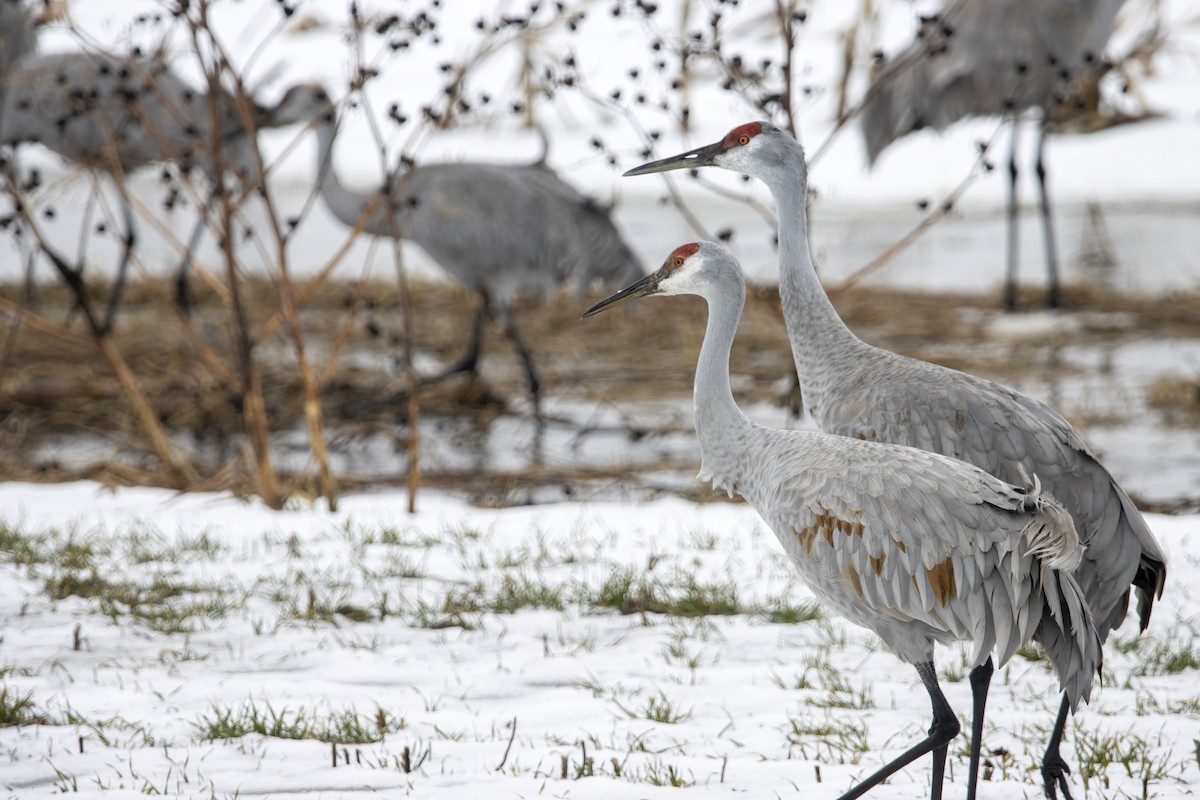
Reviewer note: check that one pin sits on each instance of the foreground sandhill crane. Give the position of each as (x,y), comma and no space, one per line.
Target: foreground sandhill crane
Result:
(914,546)
(506,231)
(855,389)
(993,58)
(117,114)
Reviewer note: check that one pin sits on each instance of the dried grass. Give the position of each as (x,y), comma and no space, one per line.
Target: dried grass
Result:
(55,389)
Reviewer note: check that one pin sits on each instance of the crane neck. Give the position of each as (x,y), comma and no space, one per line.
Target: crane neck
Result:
(814,327)
(345,204)
(721,427)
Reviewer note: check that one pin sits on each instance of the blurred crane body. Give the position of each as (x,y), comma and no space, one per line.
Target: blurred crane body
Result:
(117,114)
(505,231)
(993,58)
(915,546)
(858,390)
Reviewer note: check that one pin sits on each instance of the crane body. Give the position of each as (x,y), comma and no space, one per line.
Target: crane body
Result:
(505,231)
(855,389)
(993,58)
(117,114)
(917,547)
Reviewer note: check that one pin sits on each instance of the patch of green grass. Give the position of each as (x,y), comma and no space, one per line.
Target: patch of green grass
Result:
(830,740)
(21,549)
(519,591)
(785,613)
(659,773)
(682,597)
(1097,751)
(657,708)
(1165,658)
(697,600)
(1147,705)
(624,592)
(343,727)
(19,709)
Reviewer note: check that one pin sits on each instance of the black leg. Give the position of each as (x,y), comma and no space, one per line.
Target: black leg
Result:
(1010,278)
(535,385)
(981,679)
(114,299)
(183,292)
(470,362)
(943,730)
(1053,298)
(1054,768)
(29,253)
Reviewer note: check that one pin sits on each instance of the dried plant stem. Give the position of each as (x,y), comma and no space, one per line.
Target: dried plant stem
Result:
(179,473)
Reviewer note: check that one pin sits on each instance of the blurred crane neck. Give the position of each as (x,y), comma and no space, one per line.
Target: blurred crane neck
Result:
(347,205)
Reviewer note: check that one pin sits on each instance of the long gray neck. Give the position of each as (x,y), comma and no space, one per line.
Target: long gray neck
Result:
(821,342)
(721,427)
(348,206)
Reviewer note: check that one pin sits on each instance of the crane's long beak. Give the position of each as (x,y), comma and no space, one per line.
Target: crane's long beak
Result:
(647,285)
(700,157)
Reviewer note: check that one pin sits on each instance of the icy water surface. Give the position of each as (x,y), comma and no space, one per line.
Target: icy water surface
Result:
(1145,250)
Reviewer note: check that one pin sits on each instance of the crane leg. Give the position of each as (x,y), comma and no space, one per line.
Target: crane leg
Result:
(1010,278)
(1053,298)
(1054,768)
(470,362)
(981,679)
(114,299)
(535,385)
(943,730)
(183,294)
(29,254)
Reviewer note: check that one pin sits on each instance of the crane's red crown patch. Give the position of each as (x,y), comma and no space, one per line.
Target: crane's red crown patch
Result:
(742,134)
(681,254)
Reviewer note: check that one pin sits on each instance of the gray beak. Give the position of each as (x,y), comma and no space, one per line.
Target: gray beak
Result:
(700,157)
(646,286)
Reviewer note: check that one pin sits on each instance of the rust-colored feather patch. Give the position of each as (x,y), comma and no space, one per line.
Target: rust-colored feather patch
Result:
(941,580)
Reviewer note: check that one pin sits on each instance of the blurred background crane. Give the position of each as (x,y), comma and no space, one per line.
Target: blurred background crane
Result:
(995,58)
(505,231)
(120,113)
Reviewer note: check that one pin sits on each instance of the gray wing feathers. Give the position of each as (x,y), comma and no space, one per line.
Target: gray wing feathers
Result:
(512,229)
(974,61)
(895,537)
(1007,434)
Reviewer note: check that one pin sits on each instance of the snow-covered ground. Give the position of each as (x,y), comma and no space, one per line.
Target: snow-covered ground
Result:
(463,652)
(473,652)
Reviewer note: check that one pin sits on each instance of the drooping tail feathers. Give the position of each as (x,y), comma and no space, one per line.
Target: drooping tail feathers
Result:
(1066,630)
(1068,637)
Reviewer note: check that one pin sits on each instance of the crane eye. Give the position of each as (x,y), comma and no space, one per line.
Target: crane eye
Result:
(743,139)
(678,262)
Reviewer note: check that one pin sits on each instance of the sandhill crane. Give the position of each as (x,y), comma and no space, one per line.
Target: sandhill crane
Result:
(18,33)
(915,546)
(18,38)
(993,58)
(118,114)
(855,389)
(506,231)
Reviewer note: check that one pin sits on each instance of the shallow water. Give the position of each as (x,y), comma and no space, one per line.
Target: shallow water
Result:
(1153,251)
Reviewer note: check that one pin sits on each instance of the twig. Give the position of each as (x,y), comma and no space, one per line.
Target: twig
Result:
(928,221)
(512,737)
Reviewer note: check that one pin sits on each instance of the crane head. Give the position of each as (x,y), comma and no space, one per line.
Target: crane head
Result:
(688,270)
(305,102)
(737,147)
